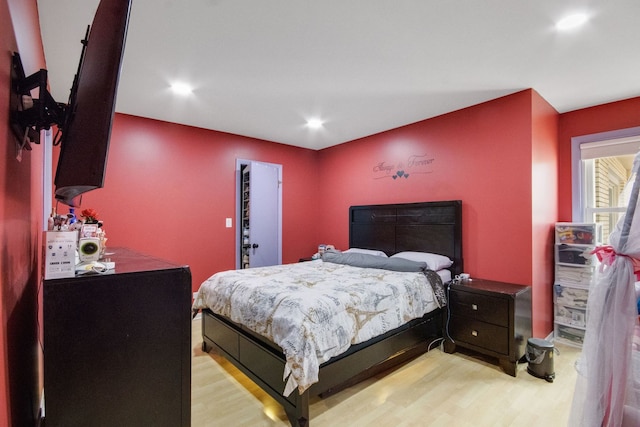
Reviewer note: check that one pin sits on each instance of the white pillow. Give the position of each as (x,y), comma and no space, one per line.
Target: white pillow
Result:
(365,251)
(434,262)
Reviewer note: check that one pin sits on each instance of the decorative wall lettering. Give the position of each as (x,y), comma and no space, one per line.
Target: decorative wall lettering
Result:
(414,164)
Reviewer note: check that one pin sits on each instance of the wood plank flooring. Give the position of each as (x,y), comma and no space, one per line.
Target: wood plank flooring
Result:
(435,389)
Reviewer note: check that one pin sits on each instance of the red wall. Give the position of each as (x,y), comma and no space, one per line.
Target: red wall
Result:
(169,188)
(20,229)
(481,155)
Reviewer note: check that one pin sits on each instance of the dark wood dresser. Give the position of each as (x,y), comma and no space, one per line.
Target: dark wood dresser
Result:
(492,318)
(117,346)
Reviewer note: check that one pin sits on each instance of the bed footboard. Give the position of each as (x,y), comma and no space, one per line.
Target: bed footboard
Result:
(264,363)
(257,360)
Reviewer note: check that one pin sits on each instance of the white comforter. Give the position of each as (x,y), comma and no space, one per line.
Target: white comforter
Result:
(316,310)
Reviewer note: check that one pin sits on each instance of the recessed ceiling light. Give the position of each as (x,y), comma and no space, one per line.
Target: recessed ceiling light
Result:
(314,123)
(572,21)
(181,88)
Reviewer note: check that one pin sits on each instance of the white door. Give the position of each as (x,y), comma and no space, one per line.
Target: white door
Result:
(264,214)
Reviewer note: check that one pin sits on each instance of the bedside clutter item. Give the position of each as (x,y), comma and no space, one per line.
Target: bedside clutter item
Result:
(94,267)
(73,246)
(89,249)
(59,254)
(462,277)
(540,357)
(322,248)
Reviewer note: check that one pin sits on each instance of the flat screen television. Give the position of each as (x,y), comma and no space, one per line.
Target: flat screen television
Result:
(86,131)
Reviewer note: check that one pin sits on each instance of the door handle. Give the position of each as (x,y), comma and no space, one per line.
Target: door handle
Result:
(255,245)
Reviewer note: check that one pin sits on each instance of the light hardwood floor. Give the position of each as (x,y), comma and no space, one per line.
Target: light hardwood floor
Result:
(435,389)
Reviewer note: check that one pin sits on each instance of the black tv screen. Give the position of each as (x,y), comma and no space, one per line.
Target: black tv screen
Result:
(86,132)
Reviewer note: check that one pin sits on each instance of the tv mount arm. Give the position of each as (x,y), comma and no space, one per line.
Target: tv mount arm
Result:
(29,115)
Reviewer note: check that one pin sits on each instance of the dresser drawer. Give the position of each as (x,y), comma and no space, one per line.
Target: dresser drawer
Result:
(480,334)
(480,307)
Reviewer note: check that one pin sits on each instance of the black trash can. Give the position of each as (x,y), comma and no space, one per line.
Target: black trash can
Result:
(540,357)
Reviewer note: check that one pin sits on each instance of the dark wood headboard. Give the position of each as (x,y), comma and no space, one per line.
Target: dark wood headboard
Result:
(434,227)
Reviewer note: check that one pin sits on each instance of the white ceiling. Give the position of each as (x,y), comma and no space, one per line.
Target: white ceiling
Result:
(260,68)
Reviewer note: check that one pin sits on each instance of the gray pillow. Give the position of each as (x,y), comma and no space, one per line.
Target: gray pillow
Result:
(373,261)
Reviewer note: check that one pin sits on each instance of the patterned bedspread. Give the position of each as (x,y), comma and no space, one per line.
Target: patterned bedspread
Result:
(316,310)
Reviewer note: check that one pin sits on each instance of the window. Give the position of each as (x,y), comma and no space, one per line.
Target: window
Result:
(605,164)
(604,183)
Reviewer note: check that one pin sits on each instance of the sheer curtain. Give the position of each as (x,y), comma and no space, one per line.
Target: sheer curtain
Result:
(607,389)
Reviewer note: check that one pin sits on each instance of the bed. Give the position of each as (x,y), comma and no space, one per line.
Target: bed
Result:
(431,227)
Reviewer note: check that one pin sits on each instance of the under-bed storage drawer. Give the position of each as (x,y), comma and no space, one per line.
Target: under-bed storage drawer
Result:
(260,362)
(222,335)
(252,355)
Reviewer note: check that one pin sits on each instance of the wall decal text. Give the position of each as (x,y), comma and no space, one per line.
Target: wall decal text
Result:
(414,164)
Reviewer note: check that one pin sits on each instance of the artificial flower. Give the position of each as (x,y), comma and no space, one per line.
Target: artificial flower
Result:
(90,216)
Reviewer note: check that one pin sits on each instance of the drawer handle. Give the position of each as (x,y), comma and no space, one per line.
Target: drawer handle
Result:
(474,333)
(474,307)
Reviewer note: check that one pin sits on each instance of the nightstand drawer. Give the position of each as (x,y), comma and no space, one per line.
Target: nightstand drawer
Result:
(480,334)
(480,307)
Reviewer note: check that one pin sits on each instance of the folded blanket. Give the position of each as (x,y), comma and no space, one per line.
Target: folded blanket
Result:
(391,264)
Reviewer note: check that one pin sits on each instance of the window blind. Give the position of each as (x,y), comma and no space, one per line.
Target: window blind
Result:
(610,147)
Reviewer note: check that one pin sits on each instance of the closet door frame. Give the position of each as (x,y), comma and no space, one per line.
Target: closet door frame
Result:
(239,165)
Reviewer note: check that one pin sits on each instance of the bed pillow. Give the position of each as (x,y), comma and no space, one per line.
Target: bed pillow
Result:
(365,251)
(435,262)
(373,261)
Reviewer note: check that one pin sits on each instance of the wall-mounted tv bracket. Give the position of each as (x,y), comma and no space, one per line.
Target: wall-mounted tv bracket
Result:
(28,114)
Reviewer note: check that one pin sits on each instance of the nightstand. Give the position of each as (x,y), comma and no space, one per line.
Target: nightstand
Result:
(489,317)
